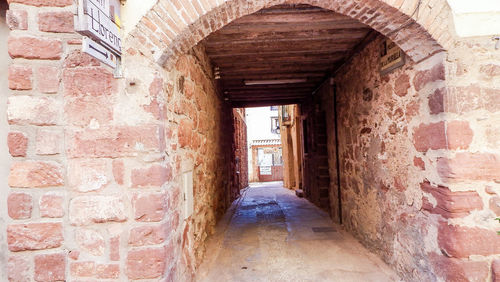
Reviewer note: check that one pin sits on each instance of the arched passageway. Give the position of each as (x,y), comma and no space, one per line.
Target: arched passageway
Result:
(417,174)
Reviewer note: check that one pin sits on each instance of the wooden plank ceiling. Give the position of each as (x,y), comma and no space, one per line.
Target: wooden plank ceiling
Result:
(284,43)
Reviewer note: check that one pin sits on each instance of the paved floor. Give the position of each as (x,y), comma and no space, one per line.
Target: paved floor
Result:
(272,235)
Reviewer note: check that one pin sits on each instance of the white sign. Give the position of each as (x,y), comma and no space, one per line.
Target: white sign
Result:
(96,23)
(99,52)
(265,170)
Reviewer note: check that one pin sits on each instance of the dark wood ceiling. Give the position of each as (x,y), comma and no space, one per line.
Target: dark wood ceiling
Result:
(281,43)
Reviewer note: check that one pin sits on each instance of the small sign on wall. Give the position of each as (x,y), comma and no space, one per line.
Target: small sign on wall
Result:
(391,57)
(265,170)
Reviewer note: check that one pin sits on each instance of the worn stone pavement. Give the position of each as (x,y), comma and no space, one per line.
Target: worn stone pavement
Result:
(267,235)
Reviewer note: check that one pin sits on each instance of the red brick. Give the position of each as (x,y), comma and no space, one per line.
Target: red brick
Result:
(118,171)
(19,205)
(452,204)
(147,235)
(82,268)
(495,271)
(185,132)
(429,137)
(50,267)
(90,241)
(17,19)
(51,205)
(48,79)
(81,111)
(80,82)
(48,142)
(401,85)
(85,175)
(28,174)
(155,176)
(24,110)
(47,3)
(146,263)
(113,141)
(18,269)
(149,207)
(79,59)
(56,21)
(422,78)
(436,101)
(35,48)
(469,166)
(108,271)
(462,242)
(459,135)
(490,70)
(18,144)
(114,248)
(34,236)
(84,210)
(495,205)
(452,269)
(20,77)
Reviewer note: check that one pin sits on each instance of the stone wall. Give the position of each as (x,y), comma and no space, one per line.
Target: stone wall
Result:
(417,171)
(99,163)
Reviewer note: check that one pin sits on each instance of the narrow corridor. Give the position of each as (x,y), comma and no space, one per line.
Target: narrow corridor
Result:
(269,234)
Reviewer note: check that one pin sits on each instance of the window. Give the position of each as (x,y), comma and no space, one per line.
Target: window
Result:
(275,125)
(274,108)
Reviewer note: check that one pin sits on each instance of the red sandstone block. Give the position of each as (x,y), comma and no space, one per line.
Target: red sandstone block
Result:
(78,59)
(495,270)
(452,204)
(495,205)
(185,132)
(18,269)
(146,263)
(429,137)
(422,78)
(17,143)
(401,85)
(51,205)
(81,111)
(20,77)
(34,236)
(462,242)
(82,269)
(113,141)
(88,174)
(114,248)
(490,70)
(48,79)
(436,101)
(147,235)
(36,174)
(452,269)
(56,21)
(108,271)
(459,135)
(48,142)
(19,205)
(90,241)
(418,162)
(470,166)
(84,210)
(118,171)
(155,176)
(50,267)
(94,81)
(33,110)
(17,19)
(47,3)
(35,48)
(149,207)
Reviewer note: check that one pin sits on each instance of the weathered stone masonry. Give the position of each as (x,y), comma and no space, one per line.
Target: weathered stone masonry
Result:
(97,162)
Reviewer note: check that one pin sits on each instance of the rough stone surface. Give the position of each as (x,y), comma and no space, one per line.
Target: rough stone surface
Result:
(48,79)
(90,241)
(18,144)
(36,174)
(430,137)
(34,236)
(147,235)
(84,210)
(19,205)
(18,269)
(462,242)
(469,166)
(24,110)
(48,142)
(35,48)
(17,19)
(451,204)
(20,77)
(149,207)
(452,269)
(154,176)
(55,21)
(51,205)
(50,267)
(146,263)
